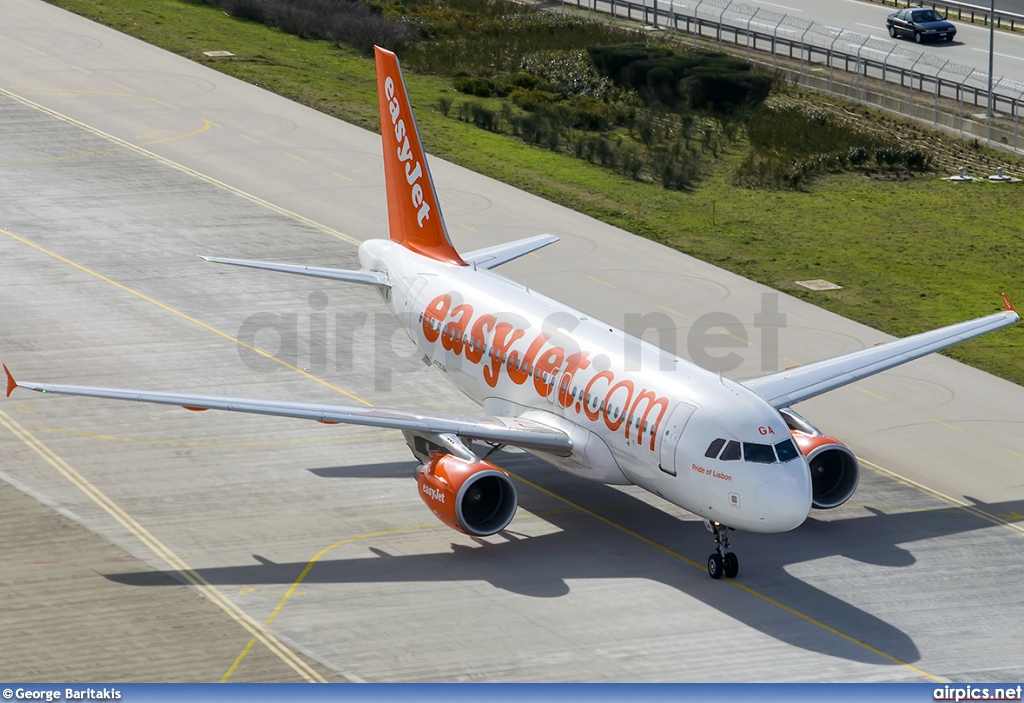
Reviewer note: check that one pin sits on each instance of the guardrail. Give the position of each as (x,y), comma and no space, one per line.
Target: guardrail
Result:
(816,46)
(964,10)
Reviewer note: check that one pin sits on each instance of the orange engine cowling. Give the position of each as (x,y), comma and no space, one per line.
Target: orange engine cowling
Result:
(474,497)
(834,469)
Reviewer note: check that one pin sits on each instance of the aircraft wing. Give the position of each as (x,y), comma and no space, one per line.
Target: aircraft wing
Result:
(804,382)
(504,430)
(371,278)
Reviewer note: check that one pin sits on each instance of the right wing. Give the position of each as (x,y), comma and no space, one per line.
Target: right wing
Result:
(804,382)
(524,433)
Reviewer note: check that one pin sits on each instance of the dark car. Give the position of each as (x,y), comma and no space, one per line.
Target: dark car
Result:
(922,24)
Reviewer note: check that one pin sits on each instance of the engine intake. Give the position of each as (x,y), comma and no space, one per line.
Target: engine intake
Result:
(473,497)
(834,469)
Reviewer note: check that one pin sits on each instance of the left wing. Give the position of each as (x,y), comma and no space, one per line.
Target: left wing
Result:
(528,434)
(372,278)
(804,382)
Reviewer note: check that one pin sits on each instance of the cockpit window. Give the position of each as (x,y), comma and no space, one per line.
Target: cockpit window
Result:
(715,447)
(731,453)
(759,453)
(786,450)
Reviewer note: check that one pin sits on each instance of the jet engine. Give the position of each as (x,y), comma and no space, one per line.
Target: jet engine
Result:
(835,471)
(474,497)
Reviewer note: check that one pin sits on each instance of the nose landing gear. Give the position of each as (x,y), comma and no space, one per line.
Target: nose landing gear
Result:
(721,562)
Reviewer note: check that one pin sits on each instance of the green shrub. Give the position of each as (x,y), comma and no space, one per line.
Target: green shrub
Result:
(531,100)
(722,90)
(888,155)
(480,86)
(791,145)
(610,60)
(630,161)
(590,114)
(522,79)
(917,160)
(483,117)
(857,155)
(703,79)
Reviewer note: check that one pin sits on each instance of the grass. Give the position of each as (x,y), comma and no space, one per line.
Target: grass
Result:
(911,255)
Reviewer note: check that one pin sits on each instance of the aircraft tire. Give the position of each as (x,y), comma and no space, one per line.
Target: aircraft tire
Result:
(715,566)
(731,565)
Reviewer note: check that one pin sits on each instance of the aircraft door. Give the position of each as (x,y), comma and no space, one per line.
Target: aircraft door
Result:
(670,437)
(414,289)
(408,314)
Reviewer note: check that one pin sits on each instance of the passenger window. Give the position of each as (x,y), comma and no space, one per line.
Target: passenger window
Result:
(786,450)
(732,452)
(714,448)
(758,453)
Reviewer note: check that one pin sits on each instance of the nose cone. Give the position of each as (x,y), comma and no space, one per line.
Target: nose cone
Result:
(784,500)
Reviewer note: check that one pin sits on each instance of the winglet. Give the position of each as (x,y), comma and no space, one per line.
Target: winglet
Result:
(1007,303)
(11,383)
(414,215)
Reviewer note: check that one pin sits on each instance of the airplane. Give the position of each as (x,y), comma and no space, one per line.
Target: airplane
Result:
(556,383)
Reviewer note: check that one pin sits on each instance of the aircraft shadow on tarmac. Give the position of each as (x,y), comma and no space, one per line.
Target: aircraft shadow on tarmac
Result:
(586,548)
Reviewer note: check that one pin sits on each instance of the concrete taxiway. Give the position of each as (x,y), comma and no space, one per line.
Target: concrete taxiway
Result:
(279,549)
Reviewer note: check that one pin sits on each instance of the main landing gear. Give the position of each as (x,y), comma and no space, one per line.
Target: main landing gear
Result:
(721,562)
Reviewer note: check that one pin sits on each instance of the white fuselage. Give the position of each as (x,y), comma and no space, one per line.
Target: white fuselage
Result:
(635,413)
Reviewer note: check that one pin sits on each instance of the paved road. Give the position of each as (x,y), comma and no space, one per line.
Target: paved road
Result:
(970,48)
(1007,5)
(120,162)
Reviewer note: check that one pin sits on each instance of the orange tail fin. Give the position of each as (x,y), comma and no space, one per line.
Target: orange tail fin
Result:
(414,215)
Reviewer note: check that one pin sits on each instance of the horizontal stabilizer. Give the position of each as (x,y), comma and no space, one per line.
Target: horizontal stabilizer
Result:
(367,277)
(495,256)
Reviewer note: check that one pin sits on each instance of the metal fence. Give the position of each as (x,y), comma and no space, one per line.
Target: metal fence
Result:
(816,46)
